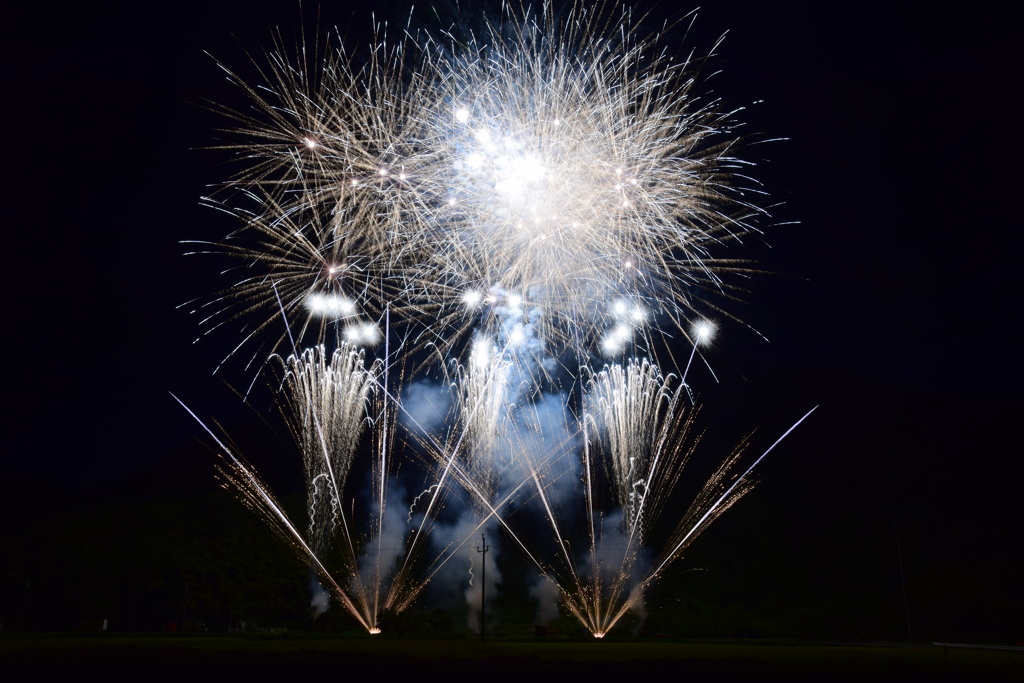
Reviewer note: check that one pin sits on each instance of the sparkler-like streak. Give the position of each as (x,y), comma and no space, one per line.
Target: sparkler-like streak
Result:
(327,401)
(521,203)
(257,497)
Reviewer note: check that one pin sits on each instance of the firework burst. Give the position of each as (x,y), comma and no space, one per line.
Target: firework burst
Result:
(584,168)
(334,177)
(567,163)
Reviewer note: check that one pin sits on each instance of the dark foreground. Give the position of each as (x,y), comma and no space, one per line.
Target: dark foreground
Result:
(176,658)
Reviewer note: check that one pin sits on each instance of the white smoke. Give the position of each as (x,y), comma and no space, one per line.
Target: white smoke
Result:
(425,405)
(386,542)
(473,593)
(463,575)
(617,554)
(321,599)
(546,594)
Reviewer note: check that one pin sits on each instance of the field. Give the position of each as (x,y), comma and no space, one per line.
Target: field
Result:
(164,658)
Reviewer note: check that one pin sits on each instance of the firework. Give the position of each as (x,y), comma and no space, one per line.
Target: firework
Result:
(584,169)
(518,204)
(327,401)
(334,177)
(567,164)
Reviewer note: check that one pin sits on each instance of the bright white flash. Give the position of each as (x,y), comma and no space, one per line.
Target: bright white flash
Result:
(480,356)
(703,331)
(363,333)
(514,174)
(330,305)
(615,341)
(483,136)
(627,311)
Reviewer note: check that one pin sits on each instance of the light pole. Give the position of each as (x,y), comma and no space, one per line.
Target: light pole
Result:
(482,549)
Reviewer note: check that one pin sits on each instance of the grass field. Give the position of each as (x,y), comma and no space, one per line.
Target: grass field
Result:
(171,658)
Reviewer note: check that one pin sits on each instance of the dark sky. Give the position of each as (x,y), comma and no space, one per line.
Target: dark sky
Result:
(896,271)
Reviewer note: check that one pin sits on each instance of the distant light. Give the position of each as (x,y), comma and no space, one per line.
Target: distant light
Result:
(462,115)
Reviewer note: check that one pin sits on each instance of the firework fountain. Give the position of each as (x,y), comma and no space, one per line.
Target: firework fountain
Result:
(516,229)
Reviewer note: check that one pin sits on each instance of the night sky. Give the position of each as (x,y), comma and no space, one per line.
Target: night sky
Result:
(891,295)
